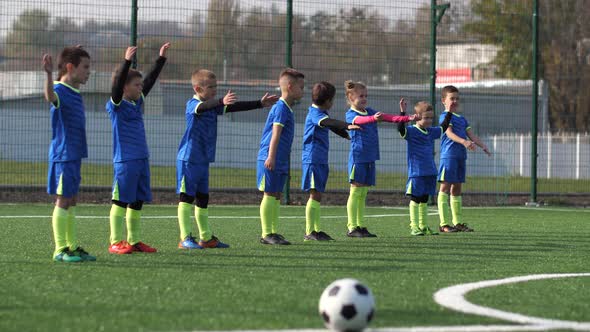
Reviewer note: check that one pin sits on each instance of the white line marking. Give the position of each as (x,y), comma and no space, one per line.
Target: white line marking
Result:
(461,328)
(223,217)
(454,298)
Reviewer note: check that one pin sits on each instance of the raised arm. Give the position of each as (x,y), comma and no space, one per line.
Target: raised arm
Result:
(152,75)
(478,142)
(48,87)
(121,75)
(270,161)
(401,126)
(446,122)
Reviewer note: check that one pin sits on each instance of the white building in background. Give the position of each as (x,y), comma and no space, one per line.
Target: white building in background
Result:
(465,62)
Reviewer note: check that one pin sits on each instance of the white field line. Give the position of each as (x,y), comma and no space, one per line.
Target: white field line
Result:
(223,217)
(454,298)
(459,328)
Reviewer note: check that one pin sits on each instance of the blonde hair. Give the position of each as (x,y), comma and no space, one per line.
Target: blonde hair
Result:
(350,87)
(199,76)
(422,107)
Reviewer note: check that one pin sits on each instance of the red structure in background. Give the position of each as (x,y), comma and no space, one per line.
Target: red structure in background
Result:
(456,75)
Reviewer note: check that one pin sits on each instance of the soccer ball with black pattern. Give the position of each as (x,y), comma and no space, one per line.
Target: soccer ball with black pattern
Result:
(347,305)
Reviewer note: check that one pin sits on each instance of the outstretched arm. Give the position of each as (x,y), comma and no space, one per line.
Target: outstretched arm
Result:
(229,99)
(48,87)
(455,138)
(265,101)
(339,127)
(152,75)
(121,75)
(478,142)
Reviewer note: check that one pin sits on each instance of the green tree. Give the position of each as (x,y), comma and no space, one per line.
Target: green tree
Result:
(28,38)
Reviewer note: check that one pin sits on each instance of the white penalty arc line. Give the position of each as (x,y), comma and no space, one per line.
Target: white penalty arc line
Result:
(454,298)
(224,217)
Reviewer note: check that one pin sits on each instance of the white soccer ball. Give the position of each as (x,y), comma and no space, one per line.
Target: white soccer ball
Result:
(347,305)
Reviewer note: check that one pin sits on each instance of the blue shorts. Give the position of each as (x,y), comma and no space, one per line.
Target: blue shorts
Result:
(314,176)
(63,178)
(363,173)
(270,181)
(131,182)
(192,178)
(421,186)
(451,170)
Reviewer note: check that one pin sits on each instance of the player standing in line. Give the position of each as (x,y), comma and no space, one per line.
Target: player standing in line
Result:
(68,147)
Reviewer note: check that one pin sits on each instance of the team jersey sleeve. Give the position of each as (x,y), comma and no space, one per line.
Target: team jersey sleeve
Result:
(350,115)
(435,132)
(280,117)
(317,117)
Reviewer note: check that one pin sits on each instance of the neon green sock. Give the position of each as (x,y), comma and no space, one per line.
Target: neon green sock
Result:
(202,218)
(360,216)
(266,214)
(116,222)
(352,207)
(184,219)
(423,215)
(71,233)
(456,209)
(59,222)
(414,215)
(443,208)
(316,216)
(275,216)
(309,217)
(133,227)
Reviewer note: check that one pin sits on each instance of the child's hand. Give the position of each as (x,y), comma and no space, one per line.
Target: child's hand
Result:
(47,63)
(229,98)
(487,151)
(269,164)
(130,53)
(415,117)
(469,145)
(378,116)
(354,127)
(163,49)
(403,105)
(268,100)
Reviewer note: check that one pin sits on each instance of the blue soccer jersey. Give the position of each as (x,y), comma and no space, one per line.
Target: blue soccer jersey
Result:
(316,142)
(280,114)
(68,125)
(448,147)
(129,142)
(200,137)
(364,144)
(420,152)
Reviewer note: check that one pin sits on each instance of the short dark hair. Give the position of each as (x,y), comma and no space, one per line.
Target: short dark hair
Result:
(132,74)
(292,73)
(70,54)
(448,89)
(322,92)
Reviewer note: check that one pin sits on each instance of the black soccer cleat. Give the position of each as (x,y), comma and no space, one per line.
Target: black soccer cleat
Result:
(366,233)
(323,236)
(356,232)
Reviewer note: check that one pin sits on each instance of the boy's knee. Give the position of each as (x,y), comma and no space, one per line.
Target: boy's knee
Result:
(202,200)
(184,198)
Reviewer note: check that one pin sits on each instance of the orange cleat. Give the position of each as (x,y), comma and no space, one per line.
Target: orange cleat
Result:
(120,248)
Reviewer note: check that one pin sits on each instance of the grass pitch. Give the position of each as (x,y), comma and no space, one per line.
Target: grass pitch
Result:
(251,286)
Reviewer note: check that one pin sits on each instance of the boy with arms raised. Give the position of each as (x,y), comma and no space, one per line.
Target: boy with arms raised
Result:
(273,156)
(67,148)
(457,139)
(197,151)
(131,183)
(421,167)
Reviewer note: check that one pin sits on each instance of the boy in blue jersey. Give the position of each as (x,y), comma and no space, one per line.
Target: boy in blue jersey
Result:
(421,167)
(273,157)
(67,148)
(131,182)
(455,142)
(364,151)
(316,145)
(197,151)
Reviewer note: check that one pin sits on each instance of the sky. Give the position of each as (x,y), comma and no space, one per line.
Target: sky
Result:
(181,10)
